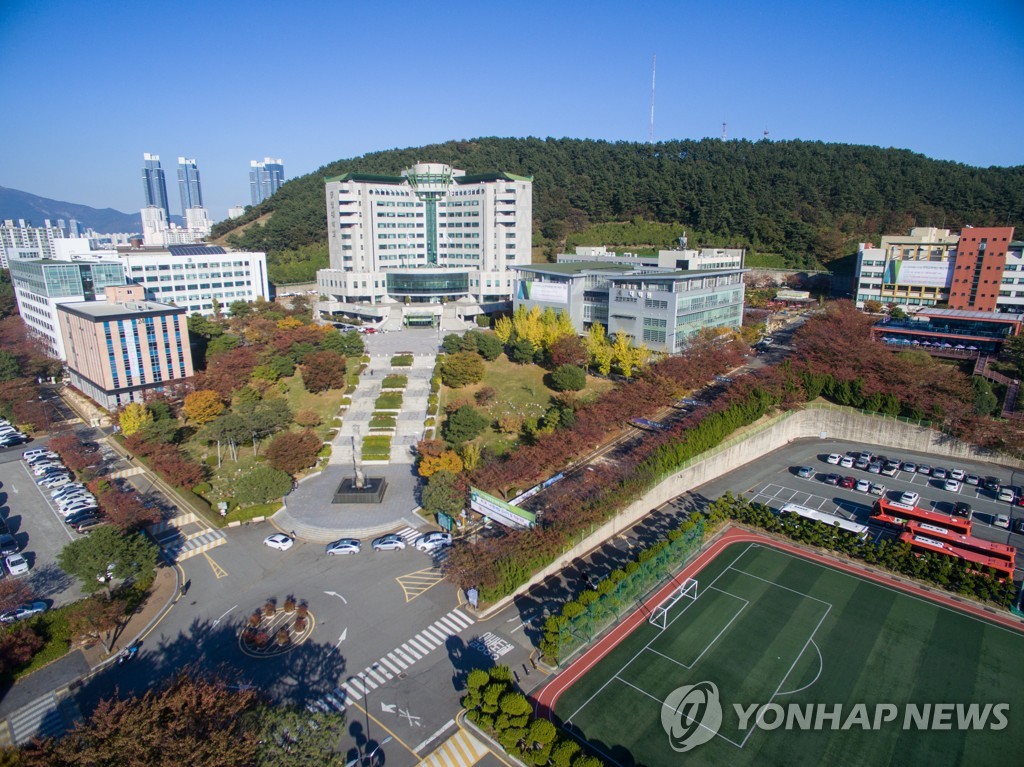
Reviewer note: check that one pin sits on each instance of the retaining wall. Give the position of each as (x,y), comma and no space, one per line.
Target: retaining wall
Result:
(816,420)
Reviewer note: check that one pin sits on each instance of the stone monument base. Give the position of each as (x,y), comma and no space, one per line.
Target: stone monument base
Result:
(372,491)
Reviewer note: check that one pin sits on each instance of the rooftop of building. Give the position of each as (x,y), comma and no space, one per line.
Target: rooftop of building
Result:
(968,314)
(620,271)
(173,250)
(578,267)
(476,178)
(101,310)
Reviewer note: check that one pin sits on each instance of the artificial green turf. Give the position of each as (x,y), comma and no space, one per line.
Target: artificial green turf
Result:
(756,631)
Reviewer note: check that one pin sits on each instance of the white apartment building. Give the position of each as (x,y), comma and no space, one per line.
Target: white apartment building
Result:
(193,276)
(19,240)
(432,234)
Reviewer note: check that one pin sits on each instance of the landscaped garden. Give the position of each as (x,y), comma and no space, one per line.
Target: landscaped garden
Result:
(257,414)
(376,447)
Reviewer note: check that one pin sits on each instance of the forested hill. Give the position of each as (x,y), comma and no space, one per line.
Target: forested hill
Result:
(806,200)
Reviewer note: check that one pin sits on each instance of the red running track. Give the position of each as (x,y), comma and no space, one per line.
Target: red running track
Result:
(549,695)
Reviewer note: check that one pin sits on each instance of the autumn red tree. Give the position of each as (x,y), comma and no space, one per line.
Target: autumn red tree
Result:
(569,350)
(194,720)
(125,509)
(176,467)
(294,451)
(230,371)
(323,370)
(70,449)
(17,646)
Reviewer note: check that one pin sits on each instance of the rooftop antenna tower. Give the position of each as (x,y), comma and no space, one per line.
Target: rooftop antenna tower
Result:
(654,72)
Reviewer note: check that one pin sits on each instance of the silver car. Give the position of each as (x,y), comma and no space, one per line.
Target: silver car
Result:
(389,542)
(344,546)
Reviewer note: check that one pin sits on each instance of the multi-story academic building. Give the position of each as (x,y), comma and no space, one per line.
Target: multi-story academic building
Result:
(120,348)
(981,269)
(659,306)
(41,284)
(194,276)
(431,235)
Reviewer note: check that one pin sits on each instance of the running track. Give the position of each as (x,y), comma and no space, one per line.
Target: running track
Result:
(549,695)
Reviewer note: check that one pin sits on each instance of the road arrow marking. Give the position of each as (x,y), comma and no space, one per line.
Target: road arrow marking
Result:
(388,709)
(344,634)
(336,594)
(217,622)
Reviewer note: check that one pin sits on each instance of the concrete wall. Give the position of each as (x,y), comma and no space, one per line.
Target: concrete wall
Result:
(822,422)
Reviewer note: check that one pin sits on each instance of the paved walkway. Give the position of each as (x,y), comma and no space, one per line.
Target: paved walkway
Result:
(308,510)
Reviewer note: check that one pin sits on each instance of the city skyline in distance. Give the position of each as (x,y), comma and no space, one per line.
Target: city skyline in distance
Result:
(868,73)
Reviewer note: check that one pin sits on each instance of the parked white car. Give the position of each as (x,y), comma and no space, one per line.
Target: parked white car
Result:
(433,541)
(17,564)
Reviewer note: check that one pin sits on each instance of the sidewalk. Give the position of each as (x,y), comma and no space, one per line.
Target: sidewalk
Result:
(84,407)
(161,597)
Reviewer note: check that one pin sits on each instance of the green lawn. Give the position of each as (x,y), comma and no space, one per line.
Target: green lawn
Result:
(773,628)
(520,390)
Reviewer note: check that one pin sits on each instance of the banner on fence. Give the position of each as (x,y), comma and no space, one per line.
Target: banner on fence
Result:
(501,512)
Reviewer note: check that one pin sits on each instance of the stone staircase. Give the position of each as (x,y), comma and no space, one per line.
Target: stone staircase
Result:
(1012,386)
(409,419)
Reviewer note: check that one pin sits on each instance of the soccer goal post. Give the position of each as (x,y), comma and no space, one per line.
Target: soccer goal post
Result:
(686,590)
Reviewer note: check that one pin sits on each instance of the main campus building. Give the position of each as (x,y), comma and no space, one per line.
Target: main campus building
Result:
(429,236)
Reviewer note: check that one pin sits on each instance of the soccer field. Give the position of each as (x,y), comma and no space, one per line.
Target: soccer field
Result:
(769,628)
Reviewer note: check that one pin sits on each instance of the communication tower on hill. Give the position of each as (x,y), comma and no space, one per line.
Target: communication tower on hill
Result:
(654,71)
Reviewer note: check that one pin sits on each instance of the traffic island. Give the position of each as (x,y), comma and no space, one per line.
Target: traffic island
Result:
(271,631)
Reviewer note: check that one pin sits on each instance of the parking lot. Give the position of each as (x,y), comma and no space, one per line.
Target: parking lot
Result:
(781,484)
(38,528)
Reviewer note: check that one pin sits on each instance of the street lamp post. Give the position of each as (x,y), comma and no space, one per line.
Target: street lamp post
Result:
(368,756)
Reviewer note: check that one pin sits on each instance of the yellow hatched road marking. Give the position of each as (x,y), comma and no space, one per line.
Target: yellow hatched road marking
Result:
(414,584)
(460,750)
(219,571)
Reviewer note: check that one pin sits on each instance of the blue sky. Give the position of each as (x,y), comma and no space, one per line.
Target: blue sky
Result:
(90,86)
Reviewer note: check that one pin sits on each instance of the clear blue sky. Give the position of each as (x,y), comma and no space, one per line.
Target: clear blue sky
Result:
(90,86)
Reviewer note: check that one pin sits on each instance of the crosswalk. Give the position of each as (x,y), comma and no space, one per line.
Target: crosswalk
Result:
(460,750)
(409,534)
(408,654)
(44,717)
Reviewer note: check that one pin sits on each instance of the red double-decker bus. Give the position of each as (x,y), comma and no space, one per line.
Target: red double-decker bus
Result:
(898,515)
(979,563)
(1001,551)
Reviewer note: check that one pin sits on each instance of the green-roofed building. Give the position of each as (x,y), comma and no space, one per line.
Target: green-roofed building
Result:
(430,235)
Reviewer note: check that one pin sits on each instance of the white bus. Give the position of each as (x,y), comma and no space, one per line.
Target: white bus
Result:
(832,520)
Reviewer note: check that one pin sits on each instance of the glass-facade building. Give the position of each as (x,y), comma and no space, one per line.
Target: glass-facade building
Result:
(154,185)
(41,284)
(660,307)
(188,185)
(265,178)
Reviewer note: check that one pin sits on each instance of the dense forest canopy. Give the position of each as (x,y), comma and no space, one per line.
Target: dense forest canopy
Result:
(808,201)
